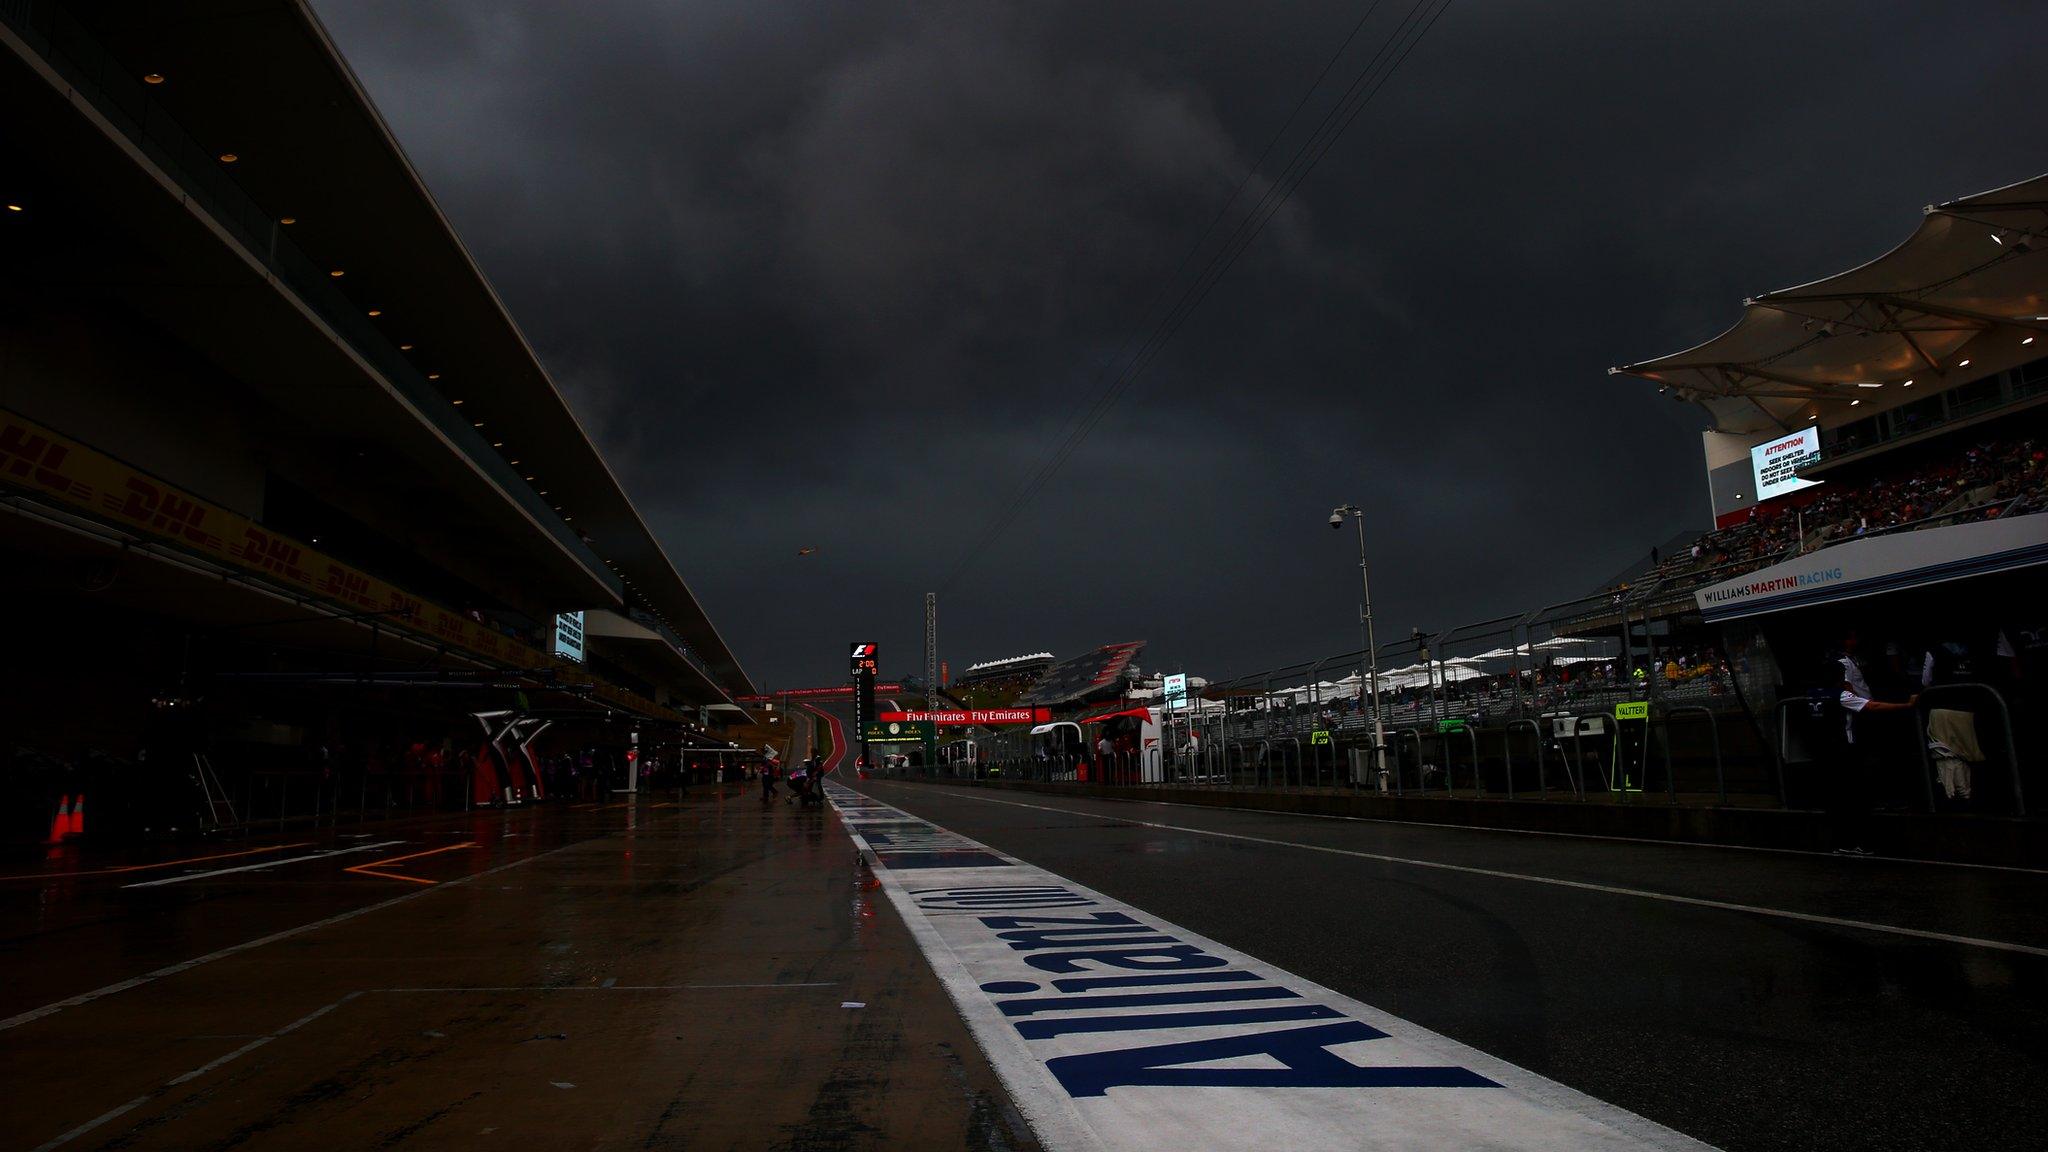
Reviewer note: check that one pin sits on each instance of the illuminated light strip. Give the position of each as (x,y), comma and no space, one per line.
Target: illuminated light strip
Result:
(158,864)
(370,869)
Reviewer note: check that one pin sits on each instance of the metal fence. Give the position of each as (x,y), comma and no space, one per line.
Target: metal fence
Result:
(1624,697)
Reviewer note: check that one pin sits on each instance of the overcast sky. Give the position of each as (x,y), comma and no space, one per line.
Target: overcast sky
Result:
(838,276)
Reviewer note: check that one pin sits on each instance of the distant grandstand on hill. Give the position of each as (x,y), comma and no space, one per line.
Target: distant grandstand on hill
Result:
(995,683)
(1009,668)
(1092,676)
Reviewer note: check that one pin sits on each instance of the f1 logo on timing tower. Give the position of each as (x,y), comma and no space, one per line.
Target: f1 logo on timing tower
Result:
(864,662)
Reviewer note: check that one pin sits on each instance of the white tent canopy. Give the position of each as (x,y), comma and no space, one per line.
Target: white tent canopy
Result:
(1952,302)
(1502,653)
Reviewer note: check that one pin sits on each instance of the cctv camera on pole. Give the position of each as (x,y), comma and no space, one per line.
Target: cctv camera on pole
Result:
(1369,673)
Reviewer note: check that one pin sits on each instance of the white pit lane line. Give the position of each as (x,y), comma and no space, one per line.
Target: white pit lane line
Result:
(262,865)
(1114,1029)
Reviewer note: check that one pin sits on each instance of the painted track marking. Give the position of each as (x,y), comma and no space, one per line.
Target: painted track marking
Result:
(1160,1060)
(1596,837)
(1554,881)
(372,868)
(258,867)
(33,1014)
(158,864)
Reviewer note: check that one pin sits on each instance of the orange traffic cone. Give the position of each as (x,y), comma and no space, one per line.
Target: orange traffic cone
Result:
(78,816)
(61,822)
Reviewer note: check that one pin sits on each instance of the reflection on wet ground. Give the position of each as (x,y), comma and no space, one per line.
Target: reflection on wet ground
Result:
(646,973)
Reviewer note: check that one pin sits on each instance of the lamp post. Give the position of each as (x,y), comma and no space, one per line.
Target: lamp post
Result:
(1369,669)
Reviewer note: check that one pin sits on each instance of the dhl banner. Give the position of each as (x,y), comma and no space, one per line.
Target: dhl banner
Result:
(41,461)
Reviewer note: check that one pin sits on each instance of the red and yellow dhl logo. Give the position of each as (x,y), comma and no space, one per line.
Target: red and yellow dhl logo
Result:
(274,554)
(348,586)
(26,454)
(91,481)
(164,511)
(399,606)
(449,626)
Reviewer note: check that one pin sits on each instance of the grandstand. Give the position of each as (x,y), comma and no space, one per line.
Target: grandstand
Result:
(1027,667)
(1090,678)
(993,683)
(1904,394)
(1877,462)
(283,484)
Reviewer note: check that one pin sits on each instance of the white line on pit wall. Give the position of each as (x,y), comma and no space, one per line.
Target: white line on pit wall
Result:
(1114,1029)
(260,867)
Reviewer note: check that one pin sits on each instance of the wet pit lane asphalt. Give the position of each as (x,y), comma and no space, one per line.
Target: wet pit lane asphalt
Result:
(1760,1026)
(706,973)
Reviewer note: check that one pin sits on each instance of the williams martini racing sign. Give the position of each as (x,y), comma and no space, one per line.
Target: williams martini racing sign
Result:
(1115,1029)
(985,716)
(1868,565)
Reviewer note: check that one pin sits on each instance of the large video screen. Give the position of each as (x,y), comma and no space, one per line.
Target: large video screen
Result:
(1773,463)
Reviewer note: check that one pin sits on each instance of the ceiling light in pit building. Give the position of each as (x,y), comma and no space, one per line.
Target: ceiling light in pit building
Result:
(228,157)
(287,219)
(152,77)
(335,274)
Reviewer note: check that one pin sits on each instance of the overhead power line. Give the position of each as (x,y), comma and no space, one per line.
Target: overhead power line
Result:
(1366,84)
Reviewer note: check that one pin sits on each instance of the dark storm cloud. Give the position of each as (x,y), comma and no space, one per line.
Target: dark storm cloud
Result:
(839,275)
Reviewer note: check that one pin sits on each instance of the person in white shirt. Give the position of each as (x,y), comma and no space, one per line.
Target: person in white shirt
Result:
(1851,787)
(1856,696)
